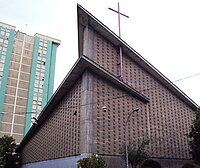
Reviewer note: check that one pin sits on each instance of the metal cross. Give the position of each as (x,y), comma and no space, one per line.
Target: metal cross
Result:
(119,13)
(120,48)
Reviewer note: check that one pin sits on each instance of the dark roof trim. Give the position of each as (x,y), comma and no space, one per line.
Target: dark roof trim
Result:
(79,67)
(129,51)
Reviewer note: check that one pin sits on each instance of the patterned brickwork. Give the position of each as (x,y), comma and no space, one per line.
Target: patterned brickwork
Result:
(59,135)
(170,121)
(168,117)
(106,54)
(109,126)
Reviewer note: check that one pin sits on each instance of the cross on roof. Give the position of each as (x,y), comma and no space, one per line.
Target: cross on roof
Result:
(119,13)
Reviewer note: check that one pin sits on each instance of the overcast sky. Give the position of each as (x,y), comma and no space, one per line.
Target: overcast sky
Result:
(165,32)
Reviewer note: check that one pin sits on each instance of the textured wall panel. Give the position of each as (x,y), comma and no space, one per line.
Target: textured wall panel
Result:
(109,126)
(59,135)
(168,118)
(106,54)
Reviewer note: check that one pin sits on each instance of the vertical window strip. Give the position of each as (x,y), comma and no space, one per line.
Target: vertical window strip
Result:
(39,80)
(4,35)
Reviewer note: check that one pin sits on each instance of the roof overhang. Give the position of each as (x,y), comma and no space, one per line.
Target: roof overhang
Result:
(81,65)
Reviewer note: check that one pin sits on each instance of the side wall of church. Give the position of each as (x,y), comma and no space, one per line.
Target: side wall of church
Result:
(166,119)
(59,135)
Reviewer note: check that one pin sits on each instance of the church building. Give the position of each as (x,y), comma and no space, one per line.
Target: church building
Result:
(87,114)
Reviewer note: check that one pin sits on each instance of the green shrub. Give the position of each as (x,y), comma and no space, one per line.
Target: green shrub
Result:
(94,161)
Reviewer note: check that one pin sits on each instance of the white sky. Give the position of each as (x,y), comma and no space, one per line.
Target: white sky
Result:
(165,32)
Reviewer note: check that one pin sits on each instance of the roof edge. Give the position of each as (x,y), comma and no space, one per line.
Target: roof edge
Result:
(97,69)
(8,26)
(48,38)
(76,71)
(130,52)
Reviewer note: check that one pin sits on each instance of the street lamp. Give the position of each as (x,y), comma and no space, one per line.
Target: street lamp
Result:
(126,143)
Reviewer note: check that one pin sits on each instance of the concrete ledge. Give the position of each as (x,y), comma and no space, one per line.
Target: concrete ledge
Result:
(112,162)
(67,162)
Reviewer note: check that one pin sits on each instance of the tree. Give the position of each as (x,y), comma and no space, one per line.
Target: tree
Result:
(8,157)
(136,153)
(94,161)
(195,138)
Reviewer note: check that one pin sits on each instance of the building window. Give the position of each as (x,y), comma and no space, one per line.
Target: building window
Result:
(3,51)
(40,73)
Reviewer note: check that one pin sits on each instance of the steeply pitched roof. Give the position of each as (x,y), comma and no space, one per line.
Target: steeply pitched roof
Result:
(82,64)
(130,52)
